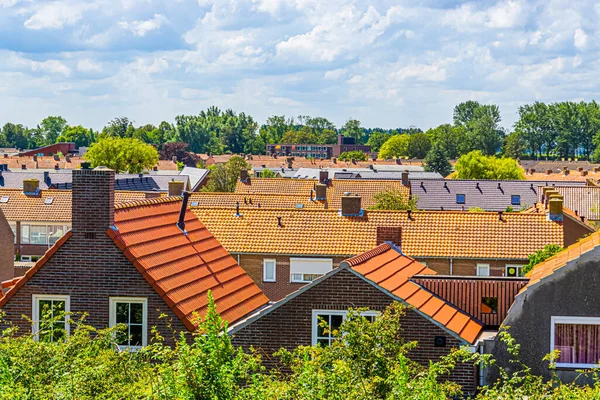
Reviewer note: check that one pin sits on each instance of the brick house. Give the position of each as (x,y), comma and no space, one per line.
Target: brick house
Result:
(6,249)
(283,249)
(131,263)
(374,279)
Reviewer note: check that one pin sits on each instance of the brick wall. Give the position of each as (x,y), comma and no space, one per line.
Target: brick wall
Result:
(290,325)
(573,231)
(6,250)
(253,265)
(462,267)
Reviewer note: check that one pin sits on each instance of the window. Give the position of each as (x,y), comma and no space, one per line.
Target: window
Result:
(483,269)
(460,199)
(269,270)
(334,319)
(489,305)
(133,313)
(578,339)
(515,200)
(513,270)
(49,315)
(305,270)
(26,258)
(41,233)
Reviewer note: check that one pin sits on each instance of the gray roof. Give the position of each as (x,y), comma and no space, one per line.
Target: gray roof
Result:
(63,179)
(366,173)
(195,175)
(490,195)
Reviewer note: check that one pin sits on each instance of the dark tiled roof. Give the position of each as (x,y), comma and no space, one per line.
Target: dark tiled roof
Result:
(490,195)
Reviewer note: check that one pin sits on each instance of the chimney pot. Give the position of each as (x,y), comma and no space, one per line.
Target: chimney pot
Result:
(405,178)
(321,191)
(244,175)
(548,171)
(31,186)
(176,188)
(323,177)
(555,209)
(351,205)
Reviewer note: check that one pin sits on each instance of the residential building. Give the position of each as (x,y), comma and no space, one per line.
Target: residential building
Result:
(385,172)
(198,177)
(254,200)
(488,195)
(321,151)
(65,148)
(559,309)
(371,280)
(130,263)
(282,250)
(6,249)
(583,200)
(57,162)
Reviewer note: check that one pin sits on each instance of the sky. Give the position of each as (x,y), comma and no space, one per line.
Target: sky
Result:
(386,63)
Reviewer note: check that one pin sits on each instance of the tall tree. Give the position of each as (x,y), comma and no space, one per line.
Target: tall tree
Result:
(223,177)
(52,128)
(437,160)
(15,136)
(122,154)
(418,145)
(119,127)
(453,139)
(514,145)
(475,165)
(465,112)
(395,146)
(353,129)
(78,135)
(377,139)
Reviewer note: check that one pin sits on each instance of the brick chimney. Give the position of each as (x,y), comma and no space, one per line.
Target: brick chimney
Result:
(555,209)
(548,171)
(93,206)
(323,177)
(290,162)
(175,188)
(405,178)
(244,175)
(321,190)
(31,186)
(390,234)
(351,205)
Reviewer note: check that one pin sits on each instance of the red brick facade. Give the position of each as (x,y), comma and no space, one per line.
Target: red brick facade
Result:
(290,325)
(6,250)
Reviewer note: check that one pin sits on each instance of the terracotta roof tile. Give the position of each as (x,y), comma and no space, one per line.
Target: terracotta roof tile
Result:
(387,268)
(426,234)
(255,200)
(182,268)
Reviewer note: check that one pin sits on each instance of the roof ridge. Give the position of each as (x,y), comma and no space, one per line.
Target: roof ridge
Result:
(359,259)
(147,202)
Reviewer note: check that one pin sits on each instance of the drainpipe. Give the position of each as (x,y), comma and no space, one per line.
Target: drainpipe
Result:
(450,266)
(238,259)
(481,369)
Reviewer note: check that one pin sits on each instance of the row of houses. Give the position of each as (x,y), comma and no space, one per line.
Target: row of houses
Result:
(133,260)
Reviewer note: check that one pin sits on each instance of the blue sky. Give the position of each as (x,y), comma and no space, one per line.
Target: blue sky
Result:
(386,63)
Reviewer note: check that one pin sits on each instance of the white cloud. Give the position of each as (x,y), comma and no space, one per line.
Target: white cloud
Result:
(57,14)
(140,28)
(468,17)
(335,74)
(88,65)
(580,39)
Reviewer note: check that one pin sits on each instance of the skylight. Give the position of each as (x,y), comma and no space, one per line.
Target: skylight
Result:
(4,199)
(48,200)
(194,204)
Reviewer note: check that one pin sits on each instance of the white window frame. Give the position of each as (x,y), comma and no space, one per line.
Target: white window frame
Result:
(343,313)
(519,268)
(487,266)
(35,308)
(292,280)
(65,227)
(571,320)
(26,258)
(112,317)
(265,261)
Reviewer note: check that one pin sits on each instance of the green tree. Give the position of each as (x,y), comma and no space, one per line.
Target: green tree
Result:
(275,127)
(15,136)
(437,160)
(353,129)
(78,135)
(303,136)
(224,177)
(267,173)
(121,127)
(464,113)
(327,136)
(453,139)
(541,255)
(418,145)
(355,155)
(394,199)
(377,139)
(514,145)
(395,146)
(122,155)
(52,128)
(475,165)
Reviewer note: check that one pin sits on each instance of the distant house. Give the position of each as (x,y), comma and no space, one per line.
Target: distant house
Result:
(488,195)
(284,249)
(374,280)
(198,177)
(321,151)
(131,263)
(583,200)
(64,148)
(559,309)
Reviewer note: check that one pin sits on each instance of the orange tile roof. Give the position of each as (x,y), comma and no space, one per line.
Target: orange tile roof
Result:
(21,207)
(444,234)
(366,188)
(387,268)
(182,268)
(560,260)
(49,163)
(572,176)
(268,200)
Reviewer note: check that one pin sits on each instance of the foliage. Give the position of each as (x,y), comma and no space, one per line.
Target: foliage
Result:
(437,160)
(377,139)
(514,145)
(418,145)
(122,154)
(541,255)
(223,177)
(355,155)
(353,129)
(179,150)
(475,165)
(394,199)
(267,173)
(453,139)
(14,136)
(78,135)
(51,128)
(121,127)
(481,123)
(395,146)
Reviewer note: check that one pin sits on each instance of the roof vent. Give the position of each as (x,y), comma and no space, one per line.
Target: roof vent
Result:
(500,215)
(279,222)
(237,209)
(446,186)
(181,220)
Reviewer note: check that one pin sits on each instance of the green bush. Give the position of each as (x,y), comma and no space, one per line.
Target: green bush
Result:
(355,155)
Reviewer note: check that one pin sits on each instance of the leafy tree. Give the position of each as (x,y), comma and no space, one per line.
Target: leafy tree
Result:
(52,127)
(179,150)
(77,134)
(395,146)
(355,155)
(122,154)
(453,139)
(394,199)
(318,124)
(464,113)
(275,127)
(353,129)
(541,255)
(437,160)
(418,145)
(223,177)
(196,131)
(475,165)
(121,127)
(377,139)
(302,136)
(327,136)
(15,136)
(514,145)
(267,173)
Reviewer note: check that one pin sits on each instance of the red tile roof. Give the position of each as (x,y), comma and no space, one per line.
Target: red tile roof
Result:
(182,268)
(387,268)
